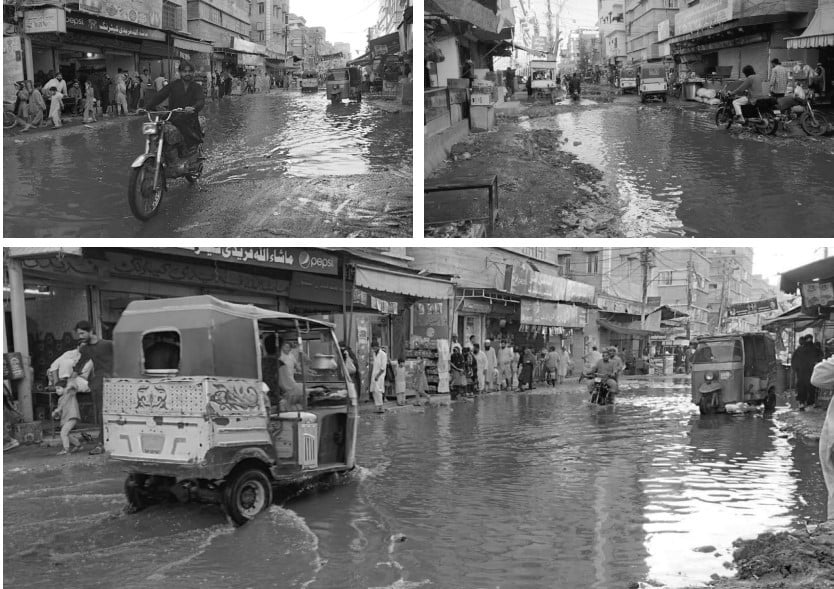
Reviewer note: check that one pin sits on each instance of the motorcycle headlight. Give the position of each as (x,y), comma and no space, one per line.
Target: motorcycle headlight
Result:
(709,376)
(725,375)
(149,129)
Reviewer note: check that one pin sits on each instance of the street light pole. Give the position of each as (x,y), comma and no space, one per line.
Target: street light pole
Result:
(645,260)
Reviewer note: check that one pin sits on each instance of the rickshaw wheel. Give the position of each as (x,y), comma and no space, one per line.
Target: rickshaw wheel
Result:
(706,405)
(137,496)
(246,494)
(770,400)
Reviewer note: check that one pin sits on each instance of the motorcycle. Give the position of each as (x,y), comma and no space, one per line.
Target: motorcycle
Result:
(812,122)
(161,161)
(600,395)
(575,96)
(757,116)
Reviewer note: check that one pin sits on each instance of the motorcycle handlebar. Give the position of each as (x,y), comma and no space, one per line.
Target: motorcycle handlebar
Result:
(160,112)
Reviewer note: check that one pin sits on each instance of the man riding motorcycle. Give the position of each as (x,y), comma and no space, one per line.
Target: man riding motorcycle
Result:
(184,93)
(608,368)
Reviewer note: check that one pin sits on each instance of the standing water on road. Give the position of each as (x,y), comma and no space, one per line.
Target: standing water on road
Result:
(262,150)
(511,491)
(680,175)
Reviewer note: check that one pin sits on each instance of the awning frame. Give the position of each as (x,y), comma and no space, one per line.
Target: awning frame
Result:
(422,287)
(818,33)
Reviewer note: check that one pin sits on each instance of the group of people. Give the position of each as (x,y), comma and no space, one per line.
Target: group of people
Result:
(752,88)
(45,99)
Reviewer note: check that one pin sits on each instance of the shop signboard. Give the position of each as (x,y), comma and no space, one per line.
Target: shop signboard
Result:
(317,289)
(249,59)
(106,26)
(12,66)
(430,319)
(45,20)
(817,294)
(366,299)
(247,46)
(474,306)
(525,281)
(704,14)
(763,306)
(552,314)
(286,258)
(147,13)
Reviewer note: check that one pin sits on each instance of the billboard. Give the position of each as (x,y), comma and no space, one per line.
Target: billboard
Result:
(763,306)
(704,14)
(45,20)
(147,13)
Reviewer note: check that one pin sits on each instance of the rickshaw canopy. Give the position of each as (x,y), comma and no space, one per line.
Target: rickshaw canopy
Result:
(216,338)
(652,70)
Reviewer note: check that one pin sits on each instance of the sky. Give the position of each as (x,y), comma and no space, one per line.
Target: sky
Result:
(782,255)
(345,21)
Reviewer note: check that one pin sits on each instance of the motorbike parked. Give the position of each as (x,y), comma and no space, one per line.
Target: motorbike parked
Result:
(161,161)
(811,121)
(600,394)
(758,116)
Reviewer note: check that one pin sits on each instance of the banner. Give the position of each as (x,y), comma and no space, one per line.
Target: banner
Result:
(290,258)
(365,299)
(704,14)
(147,13)
(817,294)
(763,306)
(552,314)
(430,321)
(47,20)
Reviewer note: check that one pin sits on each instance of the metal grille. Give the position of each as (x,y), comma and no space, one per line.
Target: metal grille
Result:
(171,16)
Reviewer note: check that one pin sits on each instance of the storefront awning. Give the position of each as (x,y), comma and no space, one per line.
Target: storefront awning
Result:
(749,21)
(820,33)
(794,318)
(622,329)
(194,45)
(383,280)
(815,271)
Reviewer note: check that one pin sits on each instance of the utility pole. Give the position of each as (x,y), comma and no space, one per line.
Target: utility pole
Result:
(646,255)
(689,296)
(723,301)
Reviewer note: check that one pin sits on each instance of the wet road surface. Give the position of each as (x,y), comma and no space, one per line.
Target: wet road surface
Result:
(279,164)
(679,175)
(536,489)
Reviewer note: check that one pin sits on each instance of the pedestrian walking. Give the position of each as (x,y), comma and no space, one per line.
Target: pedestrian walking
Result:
(378,371)
(22,104)
(551,366)
(526,365)
(589,361)
(470,368)
(89,103)
(457,372)
(56,104)
(37,106)
(399,382)
(121,94)
(564,364)
(803,360)
(505,360)
(778,79)
(481,367)
(100,351)
(352,366)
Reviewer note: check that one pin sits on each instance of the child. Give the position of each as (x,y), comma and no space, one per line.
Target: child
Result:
(399,382)
(55,106)
(68,412)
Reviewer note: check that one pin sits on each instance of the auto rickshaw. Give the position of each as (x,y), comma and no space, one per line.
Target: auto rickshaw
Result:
(652,82)
(309,81)
(628,79)
(734,369)
(543,82)
(219,402)
(344,82)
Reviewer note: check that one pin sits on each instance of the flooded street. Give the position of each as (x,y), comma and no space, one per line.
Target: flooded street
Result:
(677,174)
(509,491)
(279,164)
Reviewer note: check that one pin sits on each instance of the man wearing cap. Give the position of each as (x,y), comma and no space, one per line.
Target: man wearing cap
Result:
(492,365)
(100,351)
(380,364)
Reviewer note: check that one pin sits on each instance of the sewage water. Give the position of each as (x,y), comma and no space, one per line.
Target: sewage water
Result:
(74,184)
(680,175)
(511,491)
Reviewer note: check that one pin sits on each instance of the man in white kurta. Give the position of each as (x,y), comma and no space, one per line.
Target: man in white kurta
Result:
(378,375)
(481,370)
(505,361)
(491,365)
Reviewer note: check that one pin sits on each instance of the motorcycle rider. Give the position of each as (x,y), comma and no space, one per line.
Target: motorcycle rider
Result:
(608,369)
(184,93)
(574,85)
(752,83)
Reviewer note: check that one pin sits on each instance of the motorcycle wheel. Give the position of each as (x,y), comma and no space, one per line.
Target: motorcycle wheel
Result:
(192,177)
(723,117)
(706,406)
(767,126)
(143,200)
(814,127)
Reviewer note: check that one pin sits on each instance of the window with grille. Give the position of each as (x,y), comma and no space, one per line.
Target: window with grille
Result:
(171,16)
(261,7)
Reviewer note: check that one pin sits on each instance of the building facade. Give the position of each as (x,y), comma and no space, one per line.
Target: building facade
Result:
(642,19)
(612,32)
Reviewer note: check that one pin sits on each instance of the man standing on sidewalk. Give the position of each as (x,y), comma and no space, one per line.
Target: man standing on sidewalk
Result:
(100,351)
